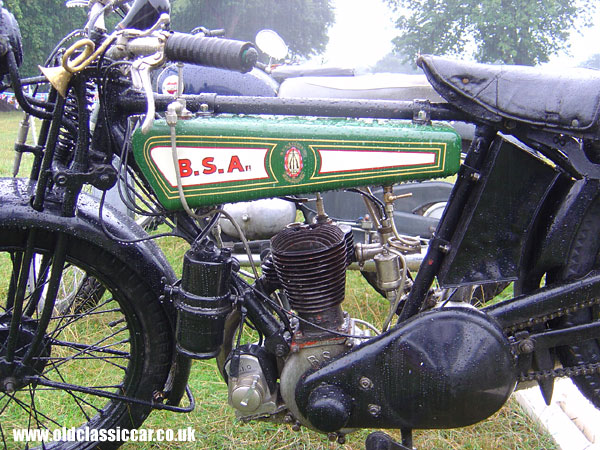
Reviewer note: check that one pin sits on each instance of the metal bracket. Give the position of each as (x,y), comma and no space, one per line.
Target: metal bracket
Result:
(422,112)
(102,177)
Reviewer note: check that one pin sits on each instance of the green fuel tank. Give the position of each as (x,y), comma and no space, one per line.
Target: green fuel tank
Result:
(227,158)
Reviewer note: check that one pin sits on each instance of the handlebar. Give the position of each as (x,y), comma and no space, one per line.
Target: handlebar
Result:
(209,51)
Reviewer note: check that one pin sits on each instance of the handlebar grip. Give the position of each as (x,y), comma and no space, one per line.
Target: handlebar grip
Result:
(209,51)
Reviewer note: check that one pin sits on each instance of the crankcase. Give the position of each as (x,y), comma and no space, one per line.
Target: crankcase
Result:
(445,368)
(228,159)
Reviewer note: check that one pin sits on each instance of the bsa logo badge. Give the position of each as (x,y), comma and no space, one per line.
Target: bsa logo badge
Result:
(293,162)
(296,162)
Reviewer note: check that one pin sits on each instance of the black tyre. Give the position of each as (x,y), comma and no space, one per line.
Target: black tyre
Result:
(120,345)
(584,255)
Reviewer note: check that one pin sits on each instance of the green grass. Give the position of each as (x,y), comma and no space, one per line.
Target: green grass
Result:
(215,423)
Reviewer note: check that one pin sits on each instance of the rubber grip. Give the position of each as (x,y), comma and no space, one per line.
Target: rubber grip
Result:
(210,51)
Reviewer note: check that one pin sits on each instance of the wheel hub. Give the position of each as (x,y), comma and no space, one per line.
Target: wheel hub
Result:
(15,375)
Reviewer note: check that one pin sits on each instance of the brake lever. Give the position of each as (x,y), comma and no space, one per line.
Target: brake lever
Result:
(140,76)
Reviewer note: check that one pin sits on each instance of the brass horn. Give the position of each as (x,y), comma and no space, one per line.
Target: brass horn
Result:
(60,76)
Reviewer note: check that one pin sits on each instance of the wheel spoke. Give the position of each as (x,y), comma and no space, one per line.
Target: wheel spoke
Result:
(107,386)
(76,317)
(16,259)
(39,282)
(8,399)
(84,350)
(32,396)
(86,314)
(27,409)
(103,349)
(2,435)
(75,397)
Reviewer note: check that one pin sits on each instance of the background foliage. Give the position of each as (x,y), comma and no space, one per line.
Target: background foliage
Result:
(508,31)
(302,23)
(43,23)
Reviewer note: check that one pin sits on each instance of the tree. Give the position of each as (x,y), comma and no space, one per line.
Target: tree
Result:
(302,24)
(593,62)
(43,23)
(394,63)
(508,31)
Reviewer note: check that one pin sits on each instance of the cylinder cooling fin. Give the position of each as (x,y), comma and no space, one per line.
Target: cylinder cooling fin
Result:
(310,262)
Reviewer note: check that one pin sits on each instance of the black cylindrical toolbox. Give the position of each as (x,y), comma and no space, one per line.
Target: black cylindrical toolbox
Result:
(203,301)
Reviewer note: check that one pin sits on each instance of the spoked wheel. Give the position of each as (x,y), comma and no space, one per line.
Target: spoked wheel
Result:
(87,360)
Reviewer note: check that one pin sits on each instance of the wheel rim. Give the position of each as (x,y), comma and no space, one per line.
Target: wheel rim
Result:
(97,347)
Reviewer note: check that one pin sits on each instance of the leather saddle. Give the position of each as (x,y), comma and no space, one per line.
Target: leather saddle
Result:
(568,99)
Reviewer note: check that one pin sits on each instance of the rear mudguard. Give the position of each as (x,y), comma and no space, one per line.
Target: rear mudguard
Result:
(145,258)
(557,232)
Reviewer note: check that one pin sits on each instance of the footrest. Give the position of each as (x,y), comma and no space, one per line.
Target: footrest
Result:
(378,440)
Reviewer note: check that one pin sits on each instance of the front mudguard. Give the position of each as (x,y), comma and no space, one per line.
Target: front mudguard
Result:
(144,258)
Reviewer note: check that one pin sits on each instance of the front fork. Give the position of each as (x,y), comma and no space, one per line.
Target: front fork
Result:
(23,306)
(19,303)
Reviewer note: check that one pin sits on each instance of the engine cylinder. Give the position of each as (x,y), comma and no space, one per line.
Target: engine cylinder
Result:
(310,262)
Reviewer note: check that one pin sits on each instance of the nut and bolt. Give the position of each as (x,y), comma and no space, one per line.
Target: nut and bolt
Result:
(339,437)
(204,107)
(159,396)
(365,383)
(374,410)
(296,426)
(526,346)
(445,248)
(10,385)
(475,176)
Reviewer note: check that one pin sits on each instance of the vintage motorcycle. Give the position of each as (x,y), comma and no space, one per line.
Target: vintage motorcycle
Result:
(525,208)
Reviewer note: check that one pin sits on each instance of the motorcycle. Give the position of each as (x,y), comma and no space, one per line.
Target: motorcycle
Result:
(525,209)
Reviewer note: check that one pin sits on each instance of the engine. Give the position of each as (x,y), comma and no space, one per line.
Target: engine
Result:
(308,264)
(333,375)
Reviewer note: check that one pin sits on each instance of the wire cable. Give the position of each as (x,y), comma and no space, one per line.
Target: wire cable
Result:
(281,310)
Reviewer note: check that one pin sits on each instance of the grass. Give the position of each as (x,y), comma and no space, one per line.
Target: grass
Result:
(214,421)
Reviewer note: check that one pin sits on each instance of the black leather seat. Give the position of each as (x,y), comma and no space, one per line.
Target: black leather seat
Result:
(568,99)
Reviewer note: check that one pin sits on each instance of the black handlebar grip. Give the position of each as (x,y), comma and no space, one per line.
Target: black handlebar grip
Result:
(209,51)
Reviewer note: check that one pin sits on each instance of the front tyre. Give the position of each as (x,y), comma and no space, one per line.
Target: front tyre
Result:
(120,345)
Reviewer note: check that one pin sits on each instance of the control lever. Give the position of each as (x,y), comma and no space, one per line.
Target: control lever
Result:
(141,68)
(140,75)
